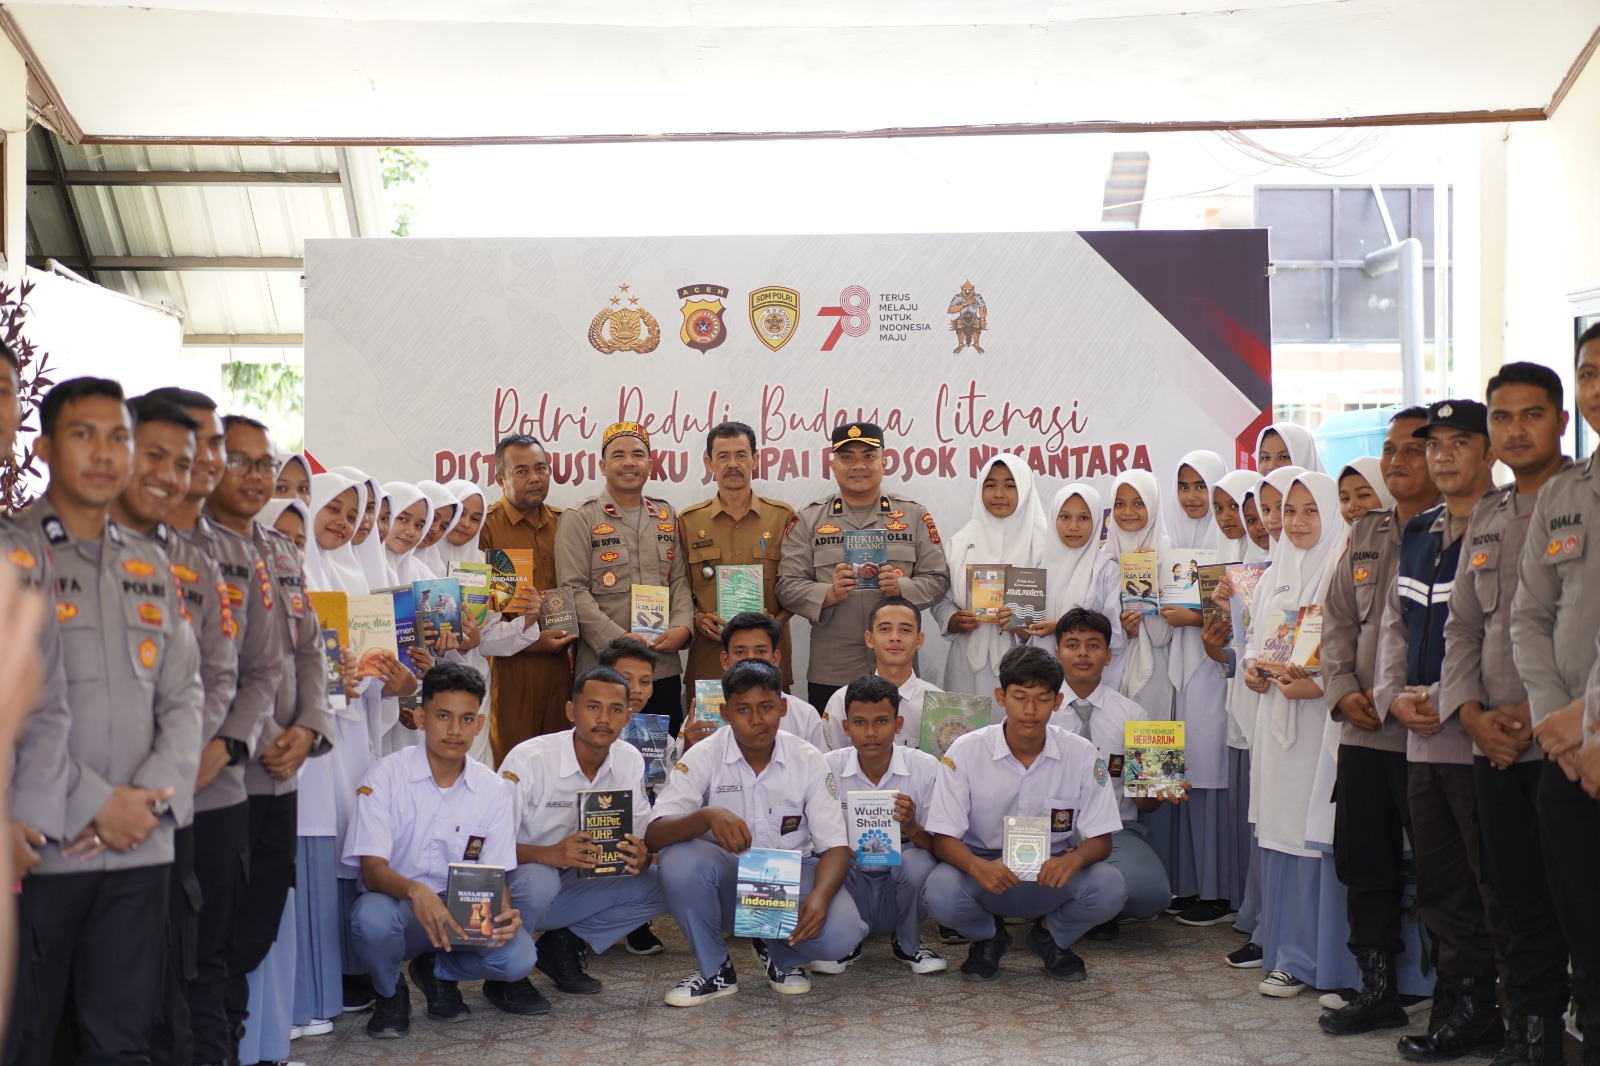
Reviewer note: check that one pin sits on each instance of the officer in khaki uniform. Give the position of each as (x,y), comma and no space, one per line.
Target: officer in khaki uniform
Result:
(814,581)
(733,528)
(92,911)
(615,540)
(1554,618)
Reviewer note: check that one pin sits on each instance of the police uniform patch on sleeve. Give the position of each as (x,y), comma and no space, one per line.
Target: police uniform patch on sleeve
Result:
(948,761)
(1100,771)
(794,520)
(363,790)
(682,768)
(933,530)
(833,787)
(509,776)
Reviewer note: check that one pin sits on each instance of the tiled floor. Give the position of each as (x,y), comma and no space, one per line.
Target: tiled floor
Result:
(1160,994)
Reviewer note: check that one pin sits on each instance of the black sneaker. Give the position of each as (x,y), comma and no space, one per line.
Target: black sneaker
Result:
(642,941)
(924,960)
(1060,963)
(790,982)
(1246,958)
(359,995)
(444,998)
(1180,904)
(983,957)
(516,997)
(1207,912)
(391,1015)
(561,960)
(839,966)
(1105,931)
(948,935)
(695,989)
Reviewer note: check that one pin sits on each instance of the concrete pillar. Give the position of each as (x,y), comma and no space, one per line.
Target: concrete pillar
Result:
(13,158)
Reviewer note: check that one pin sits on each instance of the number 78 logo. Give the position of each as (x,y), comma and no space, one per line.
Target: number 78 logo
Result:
(853,316)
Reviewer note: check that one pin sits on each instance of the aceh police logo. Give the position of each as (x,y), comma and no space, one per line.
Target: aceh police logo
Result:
(703,328)
(774,311)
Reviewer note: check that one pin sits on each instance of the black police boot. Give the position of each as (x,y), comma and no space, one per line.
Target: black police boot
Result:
(561,960)
(1474,1025)
(1378,1004)
(1514,1049)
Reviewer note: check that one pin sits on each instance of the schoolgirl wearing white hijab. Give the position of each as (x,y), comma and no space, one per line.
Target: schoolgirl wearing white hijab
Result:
(368,541)
(1078,573)
(410,518)
(1007,528)
(446,513)
(1286,444)
(1201,863)
(1136,527)
(1290,720)
(1361,488)
(293,481)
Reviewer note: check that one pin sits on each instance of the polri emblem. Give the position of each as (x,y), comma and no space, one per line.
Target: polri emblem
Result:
(774,310)
(147,654)
(608,557)
(703,328)
(609,578)
(624,329)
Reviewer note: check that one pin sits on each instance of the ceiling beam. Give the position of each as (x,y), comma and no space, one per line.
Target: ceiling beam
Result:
(180,178)
(175,262)
(244,340)
(58,179)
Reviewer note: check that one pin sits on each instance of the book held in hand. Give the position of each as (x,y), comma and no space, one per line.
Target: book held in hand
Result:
(948,715)
(1178,576)
(1026,845)
(1210,577)
(333,615)
(1308,639)
(650,733)
(740,589)
(403,602)
(767,894)
(1139,591)
(438,603)
(373,636)
(708,701)
(558,612)
(1152,764)
(1243,578)
(476,590)
(866,550)
(474,894)
(874,834)
(1277,636)
(986,591)
(607,816)
(509,570)
(650,609)
(1025,587)
(333,659)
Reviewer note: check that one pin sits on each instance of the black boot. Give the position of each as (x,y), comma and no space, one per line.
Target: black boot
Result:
(1514,1051)
(561,960)
(1444,1001)
(1378,1005)
(1543,1042)
(1473,1025)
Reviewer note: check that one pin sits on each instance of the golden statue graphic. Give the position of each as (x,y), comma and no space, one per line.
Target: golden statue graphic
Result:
(624,329)
(972,317)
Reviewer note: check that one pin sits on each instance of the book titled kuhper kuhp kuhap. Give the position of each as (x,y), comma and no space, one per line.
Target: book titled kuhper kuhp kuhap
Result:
(607,816)
(766,893)
(866,550)
(1153,763)
(474,894)
(874,834)
(1025,845)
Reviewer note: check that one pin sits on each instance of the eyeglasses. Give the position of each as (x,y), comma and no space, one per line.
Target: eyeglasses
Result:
(239,463)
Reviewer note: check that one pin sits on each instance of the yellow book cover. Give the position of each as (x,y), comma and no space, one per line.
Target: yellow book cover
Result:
(650,609)
(1153,765)
(333,612)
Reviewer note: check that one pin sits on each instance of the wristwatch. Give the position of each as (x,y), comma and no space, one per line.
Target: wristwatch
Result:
(238,750)
(160,808)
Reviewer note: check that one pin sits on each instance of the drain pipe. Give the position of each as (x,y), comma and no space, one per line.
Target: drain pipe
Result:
(1406,257)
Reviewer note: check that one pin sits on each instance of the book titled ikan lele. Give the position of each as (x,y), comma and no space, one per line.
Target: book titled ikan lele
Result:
(607,816)
(651,609)
(474,894)
(1139,592)
(874,834)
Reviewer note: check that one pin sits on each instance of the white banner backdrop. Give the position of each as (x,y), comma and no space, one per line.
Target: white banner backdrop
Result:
(420,354)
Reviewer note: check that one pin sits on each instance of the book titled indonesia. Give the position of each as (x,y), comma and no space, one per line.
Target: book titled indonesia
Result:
(607,816)
(474,894)
(766,893)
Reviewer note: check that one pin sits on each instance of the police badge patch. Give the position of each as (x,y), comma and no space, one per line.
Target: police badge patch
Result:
(774,311)
(702,327)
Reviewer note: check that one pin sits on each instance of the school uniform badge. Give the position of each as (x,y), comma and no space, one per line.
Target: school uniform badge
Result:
(1100,771)
(682,768)
(774,311)
(703,328)
(1114,764)
(833,787)
(948,761)
(1060,820)
(790,824)
(474,849)
(363,790)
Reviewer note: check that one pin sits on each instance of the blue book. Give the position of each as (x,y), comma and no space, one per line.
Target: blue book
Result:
(874,834)
(649,733)
(866,550)
(438,604)
(405,634)
(767,894)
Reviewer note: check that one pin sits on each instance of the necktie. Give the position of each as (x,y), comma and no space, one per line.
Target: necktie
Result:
(1084,709)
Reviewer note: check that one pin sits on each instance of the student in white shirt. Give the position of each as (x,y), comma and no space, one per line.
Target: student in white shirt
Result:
(416,812)
(546,775)
(1095,710)
(753,635)
(1024,766)
(889,898)
(752,785)
(894,633)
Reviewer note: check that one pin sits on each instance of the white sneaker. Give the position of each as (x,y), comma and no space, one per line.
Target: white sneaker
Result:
(831,966)
(695,989)
(315,1027)
(1282,985)
(924,961)
(793,982)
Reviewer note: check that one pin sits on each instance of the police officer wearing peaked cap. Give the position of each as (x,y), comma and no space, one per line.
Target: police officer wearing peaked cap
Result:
(815,581)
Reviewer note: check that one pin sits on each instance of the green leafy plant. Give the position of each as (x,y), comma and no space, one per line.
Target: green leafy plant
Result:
(273,392)
(33,374)
(402,168)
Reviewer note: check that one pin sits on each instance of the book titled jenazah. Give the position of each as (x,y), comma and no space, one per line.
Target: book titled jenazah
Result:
(474,894)
(607,816)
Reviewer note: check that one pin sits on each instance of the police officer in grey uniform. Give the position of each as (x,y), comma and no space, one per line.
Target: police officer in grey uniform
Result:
(93,909)
(614,540)
(1554,619)
(1480,683)
(1370,815)
(299,725)
(815,581)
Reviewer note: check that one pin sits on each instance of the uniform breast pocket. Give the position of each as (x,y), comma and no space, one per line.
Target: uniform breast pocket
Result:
(1063,814)
(902,557)
(824,558)
(703,563)
(81,649)
(791,823)
(147,621)
(1483,569)
(610,569)
(1366,599)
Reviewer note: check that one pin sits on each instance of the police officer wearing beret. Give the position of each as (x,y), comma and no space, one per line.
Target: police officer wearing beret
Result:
(816,582)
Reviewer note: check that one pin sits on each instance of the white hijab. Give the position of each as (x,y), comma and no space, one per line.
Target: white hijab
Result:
(1300,576)
(338,570)
(1237,485)
(462,490)
(986,540)
(370,551)
(403,567)
(273,510)
(1253,553)
(1069,581)
(439,497)
(1280,479)
(1302,445)
(1371,468)
(1199,532)
(1140,661)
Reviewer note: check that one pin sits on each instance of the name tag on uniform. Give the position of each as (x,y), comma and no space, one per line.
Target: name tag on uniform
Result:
(790,824)
(702,544)
(1060,821)
(474,849)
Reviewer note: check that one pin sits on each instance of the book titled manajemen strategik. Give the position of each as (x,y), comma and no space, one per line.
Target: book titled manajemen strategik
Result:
(874,834)
(474,894)
(607,816)
(767,893)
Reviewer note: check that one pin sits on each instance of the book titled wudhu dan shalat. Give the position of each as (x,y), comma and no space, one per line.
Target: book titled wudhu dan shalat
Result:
(1178,576)
(650,734)
(474,894)
(1152,765)
(874,834)
(1025,596)
(1139,591)
(767,893)
(607,816)
(651,609)
(476,590)
(986,591)
(740,589)
(438,603)
(1025,845)
(708,701)
(948,715)
(866,550)
(509,570)
(558,612)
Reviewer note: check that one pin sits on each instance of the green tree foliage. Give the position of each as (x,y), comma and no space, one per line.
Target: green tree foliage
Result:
(275,393)
(404,170)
